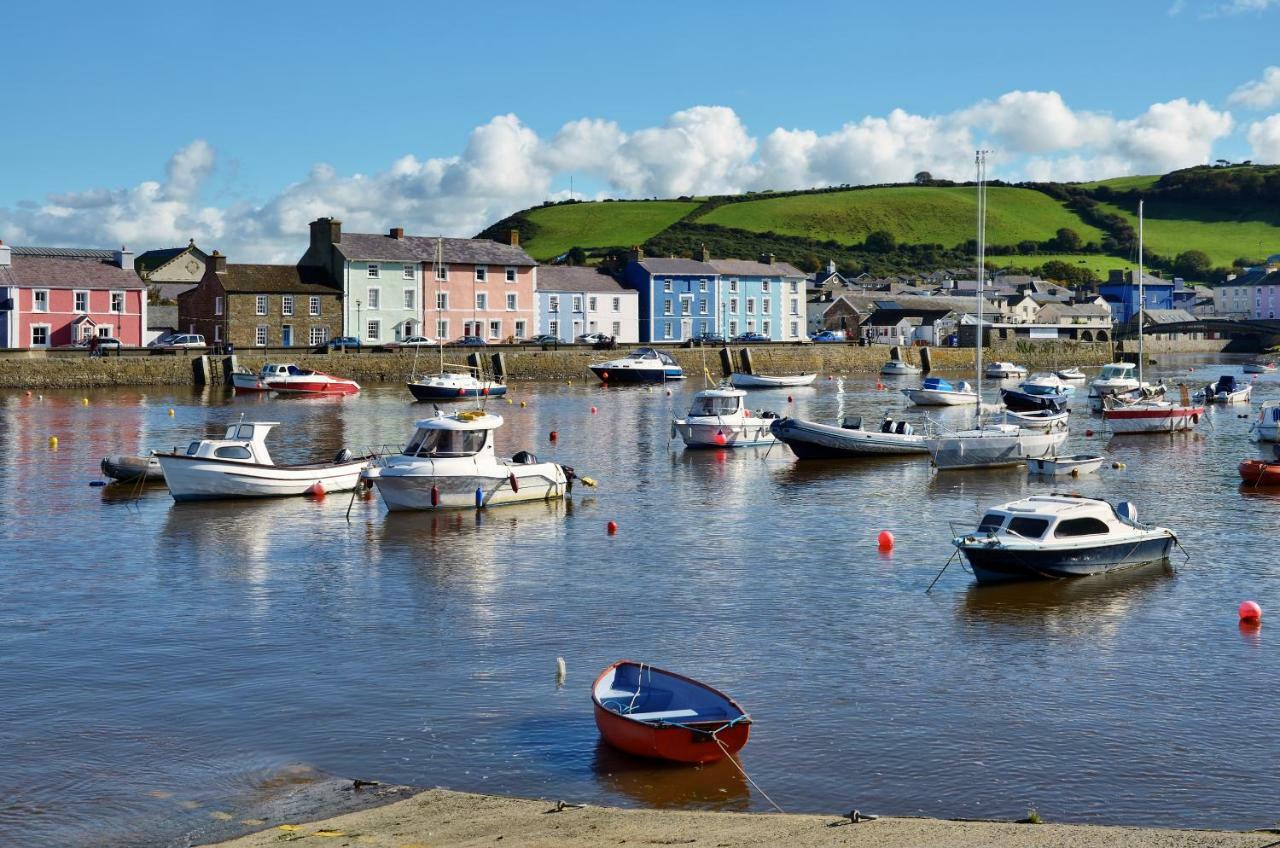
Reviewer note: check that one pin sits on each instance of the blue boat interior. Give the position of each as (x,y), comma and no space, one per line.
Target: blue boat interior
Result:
(938,384)
(643,693)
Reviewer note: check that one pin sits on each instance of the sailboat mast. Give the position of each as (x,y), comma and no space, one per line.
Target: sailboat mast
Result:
(437,266)
(981,167)
(1142,297)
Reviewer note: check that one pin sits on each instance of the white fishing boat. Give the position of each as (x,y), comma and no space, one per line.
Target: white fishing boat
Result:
(1050,537)
(451,463)
(1004,370)
(1040,419)
(935,391)
(1065,466)
(1072,375)
(1119,380)
(719,418)
(1267,425)
(1048,381)
(811,440)
(898,368)
(239,466)
(1259,368)
(1227,390)
(288,378)
(762,381)
(989,445)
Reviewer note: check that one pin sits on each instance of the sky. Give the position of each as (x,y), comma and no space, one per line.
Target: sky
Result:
(235,124)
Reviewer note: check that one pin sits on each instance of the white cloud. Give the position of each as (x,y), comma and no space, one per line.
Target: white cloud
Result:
(1236,7)
(1258,94)
(505,166)
(1264,139)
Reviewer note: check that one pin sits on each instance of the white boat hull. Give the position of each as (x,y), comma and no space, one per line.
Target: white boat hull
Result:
(704,433)
(1034,420)
(934,397)
(401,490)
(1153,418)
(900,369)
(993,447)
(810,440)
(1238,396)
(197,478)
(761,381)
(1064,466)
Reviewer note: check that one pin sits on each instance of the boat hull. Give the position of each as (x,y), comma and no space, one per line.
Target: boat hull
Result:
(1042,419)
(1171,419)
(934,397)
(248,383)
(1020,401)
(712,434)
(1237,396)
(994,450)
(674,744)
(424,392)
(200,478)
(304,386)
(810,440)
(900,369)
(1259,472)
(760,381)
(1065,466)
(1259,369)
(130,468)
(622,375)
(413,491)
(995,564)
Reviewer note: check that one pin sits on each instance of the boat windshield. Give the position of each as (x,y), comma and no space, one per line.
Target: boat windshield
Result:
(643,353)
(707,406)
(1114,372)
(990,522)
(1028,528)
(436,442)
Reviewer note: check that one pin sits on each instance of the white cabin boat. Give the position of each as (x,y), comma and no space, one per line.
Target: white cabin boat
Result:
(451,463)
(935,391)
(1116,378)
(1259,368)
(460,384)
(239,466)
(762,381)
(1267,425)
(1066,466)
(1227,390)
(288,378)
(1004,370)
(642,365)
(719,418)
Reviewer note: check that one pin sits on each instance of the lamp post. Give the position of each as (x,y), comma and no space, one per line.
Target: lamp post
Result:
(357,332)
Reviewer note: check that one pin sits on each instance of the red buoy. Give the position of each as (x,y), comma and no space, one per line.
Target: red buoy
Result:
(1088,432)
(484,390)
(611,527)
(885,540)
(790,399)
(1250,612)
(435,496)
(720,439)
(593,410)
(515,483)
(461,392)
(316,490)
(554,435)
(604,375)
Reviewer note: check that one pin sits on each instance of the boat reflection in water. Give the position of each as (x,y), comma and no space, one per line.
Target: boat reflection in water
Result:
(655,784)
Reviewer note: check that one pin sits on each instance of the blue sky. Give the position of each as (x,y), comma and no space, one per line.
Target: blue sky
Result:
(101,97)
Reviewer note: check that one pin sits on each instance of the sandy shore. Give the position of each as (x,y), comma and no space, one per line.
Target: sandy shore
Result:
(439,817)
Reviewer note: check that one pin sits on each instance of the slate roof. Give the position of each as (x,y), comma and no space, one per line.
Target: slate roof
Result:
(1164,316)
(691,267)
(892,317)
(749,268)
(68,268)
(153,259)
(272,279)
(1052,312)
(575,278)
(359,247)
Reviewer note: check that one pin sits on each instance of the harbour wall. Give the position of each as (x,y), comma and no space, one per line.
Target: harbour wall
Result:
(523,363)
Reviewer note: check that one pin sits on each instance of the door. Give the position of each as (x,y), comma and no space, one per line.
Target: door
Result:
(286,336)
(686,328)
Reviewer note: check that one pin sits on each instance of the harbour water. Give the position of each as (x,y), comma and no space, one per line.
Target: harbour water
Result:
(166,667)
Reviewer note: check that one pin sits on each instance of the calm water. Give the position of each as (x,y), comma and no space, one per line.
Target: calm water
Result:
(166,666)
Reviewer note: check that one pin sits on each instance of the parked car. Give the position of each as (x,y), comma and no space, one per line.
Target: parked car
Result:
(161,341)
(751,337)
(343,343)
(543,339)
(411,341)
(184,341)
(829,336)
(468,341)
(591,338)
(708,339)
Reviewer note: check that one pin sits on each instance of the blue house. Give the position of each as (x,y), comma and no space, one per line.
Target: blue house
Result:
(1121,292)
(766,297)
(678,297)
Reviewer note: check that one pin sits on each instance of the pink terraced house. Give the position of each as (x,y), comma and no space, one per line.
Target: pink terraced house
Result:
(55,296)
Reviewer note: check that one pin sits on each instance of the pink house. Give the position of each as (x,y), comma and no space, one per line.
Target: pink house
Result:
(54,296)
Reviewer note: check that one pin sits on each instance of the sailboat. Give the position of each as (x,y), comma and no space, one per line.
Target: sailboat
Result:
(989,445)
(1148,414)
(464,381)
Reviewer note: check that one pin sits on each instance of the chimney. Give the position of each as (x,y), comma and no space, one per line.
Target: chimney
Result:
(397,232)
(325,232)
(514,237)
(767,258)
(704,255)
(636,254)
(218,262)
(831,266)
(6,257)
(124,258)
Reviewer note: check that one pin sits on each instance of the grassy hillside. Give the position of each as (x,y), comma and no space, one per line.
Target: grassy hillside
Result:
(915,214)
(1098,263)
(588,225)
(1139,183)
(1172,228)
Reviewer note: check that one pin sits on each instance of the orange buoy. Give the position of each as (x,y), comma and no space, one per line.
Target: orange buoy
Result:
(612,528)
(604,375)
(720,438)
(316,490)
(885,540)
(554,435)
(1250,612)
(484,390)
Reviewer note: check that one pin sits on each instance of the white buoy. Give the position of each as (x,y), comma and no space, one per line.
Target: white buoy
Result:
(560,671)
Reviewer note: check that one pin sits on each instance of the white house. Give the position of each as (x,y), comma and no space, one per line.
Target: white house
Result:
(575,300)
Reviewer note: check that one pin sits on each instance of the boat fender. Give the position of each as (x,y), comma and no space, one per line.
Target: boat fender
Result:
(435,496)
(479,498)
(515,483)
(1195,418)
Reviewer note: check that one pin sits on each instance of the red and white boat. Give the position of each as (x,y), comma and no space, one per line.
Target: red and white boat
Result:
(1152,416)
(659,714)
(288,378)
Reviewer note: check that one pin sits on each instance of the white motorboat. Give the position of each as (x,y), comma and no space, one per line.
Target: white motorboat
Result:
(642,365)
(1004,370)
(451,463)
(1040,419)
(1227,390)
(126,468)
(719,418)
(1048,381)
(239,466)
(1120,380)
(455,385)
(935,391)
(898,368)
(1259,368)
(761,381)
(288,378)
(1057,536)
(1267,425)
(811,440)
(1072,375)
(1066,466)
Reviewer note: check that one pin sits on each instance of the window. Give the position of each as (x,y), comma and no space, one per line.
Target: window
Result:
(795,328)
(702,306)
(666,307)
(442,273)
(410,298)
(686,306)
(286,335)
(733,328)
(666,285)
(577,303)
(373,271)
(442,300)
(795,306)
(553,303)
(482,300)
(764,327)
(286,305)
(511,301)
(217,306)
(117,302)
(702,285)
(82,301)
(374,300)
(764,285)
(751,306)
(990,522)
(373,331)
(39,335)
(442,328)
(407,271)
(617,304)
(432,442)
(733,285)
(495,329)
(553,328)
(764,306)
(217,332)
(233,452)
(795,287)
(482,273)
(260,305)
(315,307)
(40,301)
(1030,528)
(260,337)
(733,304)
(666,329)
(1080,527)
(511,274)
(520,329)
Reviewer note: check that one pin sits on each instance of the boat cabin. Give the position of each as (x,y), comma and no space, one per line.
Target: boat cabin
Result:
(1057,517)
(282,369)
(650,353)
(1118,371)
(717,403)
(244,441)
(466,433)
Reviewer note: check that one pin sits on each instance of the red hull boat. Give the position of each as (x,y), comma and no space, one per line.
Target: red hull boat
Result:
(1259,472)
(659,714)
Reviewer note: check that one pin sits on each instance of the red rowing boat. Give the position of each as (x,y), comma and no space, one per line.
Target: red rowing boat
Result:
(649,712)
(1259,472)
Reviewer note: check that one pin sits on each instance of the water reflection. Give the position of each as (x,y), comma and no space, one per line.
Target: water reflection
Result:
(649,783)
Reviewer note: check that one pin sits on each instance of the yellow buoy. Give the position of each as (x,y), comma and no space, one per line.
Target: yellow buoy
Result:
(171,411)
(523,404)
(84,401)
(53,442)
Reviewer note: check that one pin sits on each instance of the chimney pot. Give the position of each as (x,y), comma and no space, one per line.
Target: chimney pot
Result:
(124,258)
(514,237)
(219,262)
(397,232)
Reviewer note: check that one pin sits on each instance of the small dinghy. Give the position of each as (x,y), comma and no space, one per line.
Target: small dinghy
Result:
(1260,472)
(898,368)
(1260,368)
(1226,390)
(1065,466)
(762,381)
(1041,419)
(648,712)
(1071,375)
(124,468)
(811,440)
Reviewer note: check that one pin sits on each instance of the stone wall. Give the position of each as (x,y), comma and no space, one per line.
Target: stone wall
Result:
(1176,344)
(87,372)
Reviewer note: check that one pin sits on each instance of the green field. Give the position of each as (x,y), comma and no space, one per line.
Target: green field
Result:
(589,225)
(1172,228)
(1124,183)
(915,214)
(1099,263)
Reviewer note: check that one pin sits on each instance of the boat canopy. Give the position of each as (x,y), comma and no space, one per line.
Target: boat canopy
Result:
(470,419)
(1226,383)
(650,353)
(938,384)
(1117,371)
(435,442)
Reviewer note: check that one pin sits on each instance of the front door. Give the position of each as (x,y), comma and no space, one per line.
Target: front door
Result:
(686,328)
(286,336)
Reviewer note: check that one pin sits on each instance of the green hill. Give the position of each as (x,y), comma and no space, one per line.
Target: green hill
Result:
(914,214)
(1124,183)
(1171,228)
(603,224)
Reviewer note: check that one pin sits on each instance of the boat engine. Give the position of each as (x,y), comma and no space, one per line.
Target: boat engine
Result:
(342,456)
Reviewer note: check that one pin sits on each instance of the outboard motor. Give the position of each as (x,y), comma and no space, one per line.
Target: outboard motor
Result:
(341,456)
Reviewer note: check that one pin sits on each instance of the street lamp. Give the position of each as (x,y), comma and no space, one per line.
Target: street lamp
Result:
(357,332)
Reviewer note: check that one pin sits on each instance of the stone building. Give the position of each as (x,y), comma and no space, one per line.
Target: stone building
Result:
(262,305)
(173,270)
